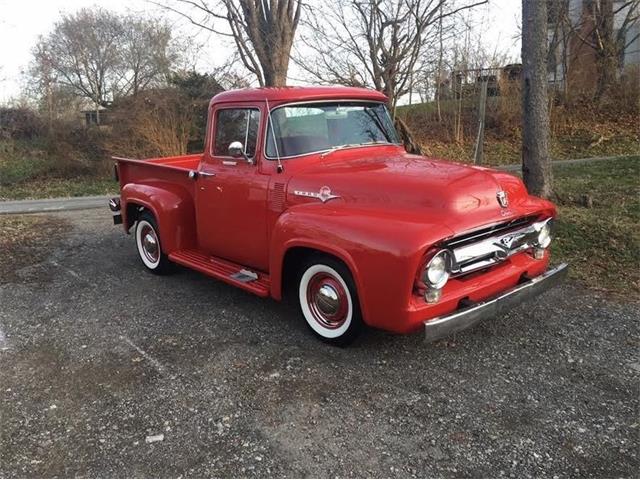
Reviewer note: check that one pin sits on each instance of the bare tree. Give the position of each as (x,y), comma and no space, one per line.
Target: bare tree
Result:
(607,43)
(100,55)
(82,53)
(536,165)
(558,14)
(373,42)
(262,31)
(604,27)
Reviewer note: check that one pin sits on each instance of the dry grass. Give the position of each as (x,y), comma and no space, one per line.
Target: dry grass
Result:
(26,241)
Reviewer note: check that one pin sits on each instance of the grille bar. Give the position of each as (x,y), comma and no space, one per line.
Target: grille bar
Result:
(493,230)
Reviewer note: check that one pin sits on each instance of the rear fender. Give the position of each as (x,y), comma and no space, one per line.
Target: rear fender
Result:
(172,207)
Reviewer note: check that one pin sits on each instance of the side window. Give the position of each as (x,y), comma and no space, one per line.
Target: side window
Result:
(236,125)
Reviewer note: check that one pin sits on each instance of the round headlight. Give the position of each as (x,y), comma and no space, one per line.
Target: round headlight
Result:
(437,270)
(544,236)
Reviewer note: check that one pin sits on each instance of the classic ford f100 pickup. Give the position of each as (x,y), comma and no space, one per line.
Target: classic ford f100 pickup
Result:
(309,192)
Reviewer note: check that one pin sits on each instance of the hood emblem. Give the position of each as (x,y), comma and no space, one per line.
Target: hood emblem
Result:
(503,200)
(324,195)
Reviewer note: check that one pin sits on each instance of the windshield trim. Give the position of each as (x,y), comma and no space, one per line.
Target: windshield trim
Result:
(324,150)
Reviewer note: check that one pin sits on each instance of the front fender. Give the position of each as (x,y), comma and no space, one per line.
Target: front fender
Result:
(173,208)
(382,250)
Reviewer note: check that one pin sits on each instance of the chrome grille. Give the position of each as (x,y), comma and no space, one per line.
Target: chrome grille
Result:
(488,246)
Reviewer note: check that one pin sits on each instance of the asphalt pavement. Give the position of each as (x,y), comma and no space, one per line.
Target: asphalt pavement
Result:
(109,371)
(53,204)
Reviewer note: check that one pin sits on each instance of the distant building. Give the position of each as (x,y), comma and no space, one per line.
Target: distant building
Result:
(467,83)
(95,117)
(571,27)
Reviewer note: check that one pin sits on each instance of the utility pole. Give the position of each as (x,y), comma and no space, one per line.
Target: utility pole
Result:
(536,164)
(478,153)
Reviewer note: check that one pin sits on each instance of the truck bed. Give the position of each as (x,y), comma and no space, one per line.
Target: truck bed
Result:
(171,173)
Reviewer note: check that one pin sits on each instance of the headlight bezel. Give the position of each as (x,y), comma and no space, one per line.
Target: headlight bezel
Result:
(442,259)
(545,235)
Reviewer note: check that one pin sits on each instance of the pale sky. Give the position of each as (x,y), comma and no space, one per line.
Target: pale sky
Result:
(22,21)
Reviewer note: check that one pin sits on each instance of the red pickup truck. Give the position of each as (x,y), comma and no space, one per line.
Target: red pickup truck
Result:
(309,192)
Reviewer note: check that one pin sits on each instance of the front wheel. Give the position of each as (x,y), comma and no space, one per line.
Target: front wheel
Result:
(329,301)
(148,245)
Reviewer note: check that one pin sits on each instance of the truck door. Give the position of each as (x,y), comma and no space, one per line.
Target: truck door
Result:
(232,193)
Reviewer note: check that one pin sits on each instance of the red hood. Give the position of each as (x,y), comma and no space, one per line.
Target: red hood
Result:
(460,196)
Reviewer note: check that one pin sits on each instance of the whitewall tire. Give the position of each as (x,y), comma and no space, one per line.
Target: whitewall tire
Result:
(328,301)
(148,244)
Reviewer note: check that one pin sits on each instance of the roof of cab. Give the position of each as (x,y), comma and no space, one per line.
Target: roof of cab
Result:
(288,94)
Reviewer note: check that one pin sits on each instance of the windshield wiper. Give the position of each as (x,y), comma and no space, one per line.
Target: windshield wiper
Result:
(351,145)
(339,147)
(376,142)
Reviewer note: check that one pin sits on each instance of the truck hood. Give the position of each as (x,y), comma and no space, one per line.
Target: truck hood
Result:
(459,196)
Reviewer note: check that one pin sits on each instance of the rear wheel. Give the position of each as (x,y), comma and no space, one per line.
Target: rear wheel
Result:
(148,244)
(329,301)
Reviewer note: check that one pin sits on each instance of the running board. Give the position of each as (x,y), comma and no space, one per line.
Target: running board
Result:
(229,272)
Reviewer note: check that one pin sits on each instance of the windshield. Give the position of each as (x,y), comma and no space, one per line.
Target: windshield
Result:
(318,127)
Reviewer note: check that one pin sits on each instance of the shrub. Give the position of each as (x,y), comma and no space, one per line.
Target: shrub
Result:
(19,123)
(155,123)
(75,150)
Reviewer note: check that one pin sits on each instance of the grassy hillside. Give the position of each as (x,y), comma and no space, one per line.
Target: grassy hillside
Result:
(30,169)
(576,132)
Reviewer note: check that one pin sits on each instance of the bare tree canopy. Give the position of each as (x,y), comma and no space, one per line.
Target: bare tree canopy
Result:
(100,55)
(262,31)
(378,43)
(146,53)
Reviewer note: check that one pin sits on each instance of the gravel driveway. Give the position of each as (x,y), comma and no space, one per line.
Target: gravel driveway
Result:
(106,370)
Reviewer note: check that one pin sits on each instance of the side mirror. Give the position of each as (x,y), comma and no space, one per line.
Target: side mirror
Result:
(236,150)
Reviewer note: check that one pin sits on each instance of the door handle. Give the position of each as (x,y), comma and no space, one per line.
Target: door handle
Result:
(193,174)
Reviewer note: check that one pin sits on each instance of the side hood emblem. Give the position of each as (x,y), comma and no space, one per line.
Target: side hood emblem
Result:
(503,200)
(324,195)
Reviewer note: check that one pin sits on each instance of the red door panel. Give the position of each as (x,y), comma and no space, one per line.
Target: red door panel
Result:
(231,214)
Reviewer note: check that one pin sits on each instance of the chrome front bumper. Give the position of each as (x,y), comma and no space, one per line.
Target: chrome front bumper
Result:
(441,327)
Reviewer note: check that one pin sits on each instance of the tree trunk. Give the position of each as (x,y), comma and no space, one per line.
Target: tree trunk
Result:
(275,69)
(439,74)
(607,53)
(270,28)
(536,165)
(409,143)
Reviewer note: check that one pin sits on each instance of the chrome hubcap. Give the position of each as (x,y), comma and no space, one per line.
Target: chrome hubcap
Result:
(150,244)
(327,300)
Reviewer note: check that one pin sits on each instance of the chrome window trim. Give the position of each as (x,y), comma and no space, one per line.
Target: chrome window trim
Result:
(215,126)
(309,102)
